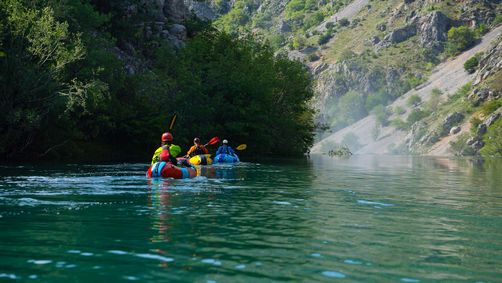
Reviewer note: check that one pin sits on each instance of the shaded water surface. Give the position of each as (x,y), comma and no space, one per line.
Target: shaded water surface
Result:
(373,219)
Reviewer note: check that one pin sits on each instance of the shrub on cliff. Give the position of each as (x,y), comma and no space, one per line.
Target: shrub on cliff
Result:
(460,39)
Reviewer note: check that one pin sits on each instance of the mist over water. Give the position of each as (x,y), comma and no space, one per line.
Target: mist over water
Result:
(367,218)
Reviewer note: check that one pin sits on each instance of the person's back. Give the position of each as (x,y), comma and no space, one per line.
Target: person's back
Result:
(197,148)
(167,151)
(225,149)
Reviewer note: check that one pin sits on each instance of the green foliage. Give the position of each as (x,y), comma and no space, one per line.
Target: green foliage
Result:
(461,93)
(240,90)
(344,22)
(324,38)
(497,20)
(399,110)
(413,100)
(416,115)
(493,142)
(490,106)
(472,63)
(381,114)
(434,100)
(460,39)
(475,122)
(399,124)
(65,93)
(459,147)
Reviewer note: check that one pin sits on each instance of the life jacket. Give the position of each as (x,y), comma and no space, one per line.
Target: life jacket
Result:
(198,150)
(164,154)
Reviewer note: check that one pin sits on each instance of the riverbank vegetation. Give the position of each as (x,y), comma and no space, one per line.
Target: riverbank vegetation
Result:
(66,92)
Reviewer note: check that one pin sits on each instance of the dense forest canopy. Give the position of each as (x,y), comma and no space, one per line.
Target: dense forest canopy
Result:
(66,93)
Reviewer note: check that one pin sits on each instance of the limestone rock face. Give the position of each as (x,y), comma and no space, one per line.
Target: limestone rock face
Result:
(433,29)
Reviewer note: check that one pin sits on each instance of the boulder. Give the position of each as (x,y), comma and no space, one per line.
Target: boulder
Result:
(375,40)
(471,140)
(477,145)
(381,27)
(492,119)
(455,130)
(481,129)
(399,35)
(450,121)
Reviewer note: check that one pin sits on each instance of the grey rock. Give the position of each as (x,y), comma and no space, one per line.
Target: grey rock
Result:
(454,130)
(381,27)
(471,140)
(284,27)
(477,145)
(492,119)
(481,129)
(433,29)
(320,68)
(400,35)
(450,121)
(202,9)
(375,40)
(175,10)
(179,31)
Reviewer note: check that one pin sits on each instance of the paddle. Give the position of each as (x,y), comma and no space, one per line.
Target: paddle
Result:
(213,141)
(242,147)
(173,121)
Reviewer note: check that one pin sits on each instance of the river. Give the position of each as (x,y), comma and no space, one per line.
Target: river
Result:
(363,219)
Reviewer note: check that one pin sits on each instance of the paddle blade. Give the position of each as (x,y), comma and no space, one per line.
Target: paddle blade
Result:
(242,147)
(213,140)
(173,121)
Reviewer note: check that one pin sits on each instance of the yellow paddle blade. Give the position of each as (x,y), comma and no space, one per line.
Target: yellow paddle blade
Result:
(242,147)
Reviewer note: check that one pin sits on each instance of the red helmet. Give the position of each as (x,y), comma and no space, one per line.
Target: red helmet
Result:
(167,137)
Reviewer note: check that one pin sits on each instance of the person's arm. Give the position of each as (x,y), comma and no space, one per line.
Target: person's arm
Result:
(218,151)
(231,151)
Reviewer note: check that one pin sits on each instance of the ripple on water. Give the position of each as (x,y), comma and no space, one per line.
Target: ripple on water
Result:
(153,256)
(373,203)
(410,280)
(39,261)
(211,261)
(333,274)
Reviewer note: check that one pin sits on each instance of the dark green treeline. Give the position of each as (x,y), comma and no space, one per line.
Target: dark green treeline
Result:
(65,94)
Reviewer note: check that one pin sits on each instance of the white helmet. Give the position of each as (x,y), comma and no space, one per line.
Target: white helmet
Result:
(225,141)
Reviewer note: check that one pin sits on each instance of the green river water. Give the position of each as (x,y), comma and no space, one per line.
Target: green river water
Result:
(365,219)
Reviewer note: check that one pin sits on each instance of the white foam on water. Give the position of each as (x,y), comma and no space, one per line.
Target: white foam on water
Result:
(73,251)
(87,254)
(315,255)
(240,266)
(132,278)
